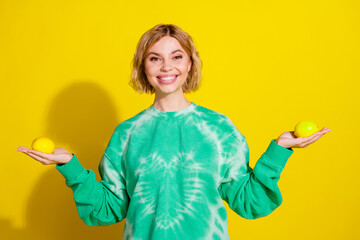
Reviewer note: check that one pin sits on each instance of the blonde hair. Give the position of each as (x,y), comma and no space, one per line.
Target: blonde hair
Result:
(138,79)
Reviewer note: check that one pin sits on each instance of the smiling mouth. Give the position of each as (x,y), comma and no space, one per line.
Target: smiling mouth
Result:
(167,79)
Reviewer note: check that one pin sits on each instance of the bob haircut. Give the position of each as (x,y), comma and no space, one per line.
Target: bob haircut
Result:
(138,80)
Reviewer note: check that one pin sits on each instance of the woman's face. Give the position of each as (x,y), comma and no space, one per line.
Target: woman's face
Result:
(167,66)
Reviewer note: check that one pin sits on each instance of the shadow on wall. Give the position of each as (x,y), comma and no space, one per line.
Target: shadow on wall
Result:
(81,116)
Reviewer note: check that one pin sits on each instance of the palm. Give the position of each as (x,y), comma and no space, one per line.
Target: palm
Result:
(59,156)
(60,151)
(289,140)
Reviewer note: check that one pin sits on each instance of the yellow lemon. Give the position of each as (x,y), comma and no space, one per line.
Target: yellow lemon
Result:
(305,129)
(43,144)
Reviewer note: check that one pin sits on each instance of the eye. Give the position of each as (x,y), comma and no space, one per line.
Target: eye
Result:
(151,59)
(178,57)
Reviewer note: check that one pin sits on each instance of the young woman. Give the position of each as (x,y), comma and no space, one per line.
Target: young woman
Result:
(168,168)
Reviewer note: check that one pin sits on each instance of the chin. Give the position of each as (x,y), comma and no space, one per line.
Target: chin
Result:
(168,90)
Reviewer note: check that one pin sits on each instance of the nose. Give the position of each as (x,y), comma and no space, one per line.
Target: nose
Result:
(166,66)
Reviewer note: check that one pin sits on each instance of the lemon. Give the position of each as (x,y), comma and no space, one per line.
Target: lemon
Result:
(43,144)
(305,129)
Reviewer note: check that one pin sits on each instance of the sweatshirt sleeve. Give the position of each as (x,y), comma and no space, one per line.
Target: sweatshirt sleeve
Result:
(253,193)
(98,203)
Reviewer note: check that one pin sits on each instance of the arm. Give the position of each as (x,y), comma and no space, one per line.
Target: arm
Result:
(98,203)
(105,202)
(253,193)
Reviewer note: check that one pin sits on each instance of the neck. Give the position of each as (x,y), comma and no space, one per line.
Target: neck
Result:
(171,102)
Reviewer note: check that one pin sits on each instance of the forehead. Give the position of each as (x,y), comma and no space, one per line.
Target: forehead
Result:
(166,44)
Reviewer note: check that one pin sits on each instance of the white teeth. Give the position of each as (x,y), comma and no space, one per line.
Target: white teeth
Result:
(167,78)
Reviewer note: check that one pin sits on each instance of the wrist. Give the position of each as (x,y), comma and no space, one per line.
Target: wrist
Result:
(287,147)
(66,159)
(69,156)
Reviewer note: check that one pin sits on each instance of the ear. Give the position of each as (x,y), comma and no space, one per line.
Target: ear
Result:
(189,67)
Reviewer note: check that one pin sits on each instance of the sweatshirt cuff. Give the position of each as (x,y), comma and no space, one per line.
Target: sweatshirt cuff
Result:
(278,154)
(72,169)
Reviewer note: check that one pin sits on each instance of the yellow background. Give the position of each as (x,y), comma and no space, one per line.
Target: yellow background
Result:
(64,72)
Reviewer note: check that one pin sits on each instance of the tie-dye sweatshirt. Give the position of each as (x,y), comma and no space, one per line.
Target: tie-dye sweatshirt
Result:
(168,172)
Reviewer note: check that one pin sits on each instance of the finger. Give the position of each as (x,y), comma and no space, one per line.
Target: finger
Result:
(319,133)
(308,138)
(38,158)
(47,156)
(22,149)
(303,141)
(310,142)
(315,137)
(325,130)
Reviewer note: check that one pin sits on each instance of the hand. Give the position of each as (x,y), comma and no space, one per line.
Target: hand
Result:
(289,140)
(60,155)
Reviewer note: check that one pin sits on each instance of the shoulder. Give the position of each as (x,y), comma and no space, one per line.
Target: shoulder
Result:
(207,113)
(129,123)
(218,121)
(210,115)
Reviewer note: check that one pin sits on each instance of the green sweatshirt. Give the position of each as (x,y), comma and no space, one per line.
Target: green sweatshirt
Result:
(168,172)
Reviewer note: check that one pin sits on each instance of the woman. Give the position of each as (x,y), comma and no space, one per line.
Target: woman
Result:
(168,168)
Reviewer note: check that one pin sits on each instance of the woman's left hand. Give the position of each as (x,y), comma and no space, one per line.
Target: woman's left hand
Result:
(289,140)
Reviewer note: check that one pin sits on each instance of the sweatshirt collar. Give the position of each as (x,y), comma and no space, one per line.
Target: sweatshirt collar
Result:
(175,114)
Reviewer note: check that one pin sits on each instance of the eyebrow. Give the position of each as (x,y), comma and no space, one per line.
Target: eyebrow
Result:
(177,50)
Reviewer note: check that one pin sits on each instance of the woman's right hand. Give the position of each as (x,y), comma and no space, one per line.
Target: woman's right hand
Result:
(60,155)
